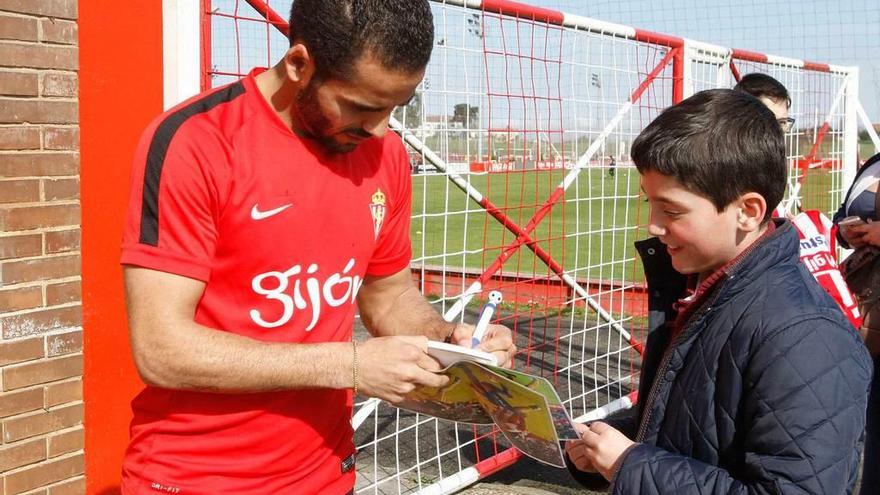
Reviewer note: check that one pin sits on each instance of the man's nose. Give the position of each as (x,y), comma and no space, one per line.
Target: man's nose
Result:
(377,127)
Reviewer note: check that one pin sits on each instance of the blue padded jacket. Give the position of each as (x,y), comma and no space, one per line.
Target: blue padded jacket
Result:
(763,392)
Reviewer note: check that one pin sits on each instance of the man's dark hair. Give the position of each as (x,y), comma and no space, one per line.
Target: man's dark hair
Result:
(719,144)
(399,33)
(761,85)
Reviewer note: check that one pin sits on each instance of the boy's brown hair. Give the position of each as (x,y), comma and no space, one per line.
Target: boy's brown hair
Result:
(719,144)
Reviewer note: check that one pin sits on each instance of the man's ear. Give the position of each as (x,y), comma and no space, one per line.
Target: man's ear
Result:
(299,65)
(752,208)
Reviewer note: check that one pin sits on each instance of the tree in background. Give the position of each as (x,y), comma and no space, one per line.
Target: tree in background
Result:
(467,115)
(410,115)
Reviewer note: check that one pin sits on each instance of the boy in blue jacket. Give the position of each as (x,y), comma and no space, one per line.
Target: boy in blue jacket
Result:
(752,380)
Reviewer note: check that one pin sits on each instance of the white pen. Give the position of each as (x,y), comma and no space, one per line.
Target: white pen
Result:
(485,317)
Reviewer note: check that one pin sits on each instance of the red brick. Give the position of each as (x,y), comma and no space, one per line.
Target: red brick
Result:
(63,293)
(40,322)
(64,443)
(22,401)
(21,454)
(61,189)
(61,138)
(18,83)
(73,486)
(39,56)
(62,241)
(60,84)
(42,371)
(39,423)
(37,164)
(21,350)
(58,31)
(63,392)
(37,217)
(65,9)
(44,474)
(14,272)
(39,491)
(20,246)
(18,111)
(19,138)
(18,28)
(19,191)
(19,299)
(64,343)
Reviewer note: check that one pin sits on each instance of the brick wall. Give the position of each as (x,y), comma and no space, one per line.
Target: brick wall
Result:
(41,408)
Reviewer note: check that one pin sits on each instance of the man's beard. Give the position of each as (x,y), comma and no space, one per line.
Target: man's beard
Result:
(317,124)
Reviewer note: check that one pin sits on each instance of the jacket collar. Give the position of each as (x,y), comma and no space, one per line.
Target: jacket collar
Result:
(780,246)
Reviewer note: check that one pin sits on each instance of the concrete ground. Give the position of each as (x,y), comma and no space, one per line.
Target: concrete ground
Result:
(528,477)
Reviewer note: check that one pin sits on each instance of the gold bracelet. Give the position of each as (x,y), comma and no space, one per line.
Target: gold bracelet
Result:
(354,367)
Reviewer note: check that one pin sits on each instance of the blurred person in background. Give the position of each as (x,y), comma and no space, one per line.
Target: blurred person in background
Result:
(860,230)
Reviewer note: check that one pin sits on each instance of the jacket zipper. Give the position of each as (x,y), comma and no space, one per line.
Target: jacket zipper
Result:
(643,425)
(667,356)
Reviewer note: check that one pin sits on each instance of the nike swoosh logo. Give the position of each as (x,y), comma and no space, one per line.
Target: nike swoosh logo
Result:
(256,214)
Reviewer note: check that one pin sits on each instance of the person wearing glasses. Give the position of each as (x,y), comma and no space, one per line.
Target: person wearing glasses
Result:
(775,96)
(771,93)
(813,226)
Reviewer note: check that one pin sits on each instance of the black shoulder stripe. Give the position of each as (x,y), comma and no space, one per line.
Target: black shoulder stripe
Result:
(159,148)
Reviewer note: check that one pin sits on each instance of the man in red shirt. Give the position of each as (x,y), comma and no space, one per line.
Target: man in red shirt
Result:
(260,214)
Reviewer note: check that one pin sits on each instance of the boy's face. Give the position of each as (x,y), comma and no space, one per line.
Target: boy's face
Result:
(698,238)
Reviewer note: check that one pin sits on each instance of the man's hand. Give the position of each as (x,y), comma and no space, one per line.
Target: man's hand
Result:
(603,447)
(497,340)
(577,451)
(391,367)
(861,235)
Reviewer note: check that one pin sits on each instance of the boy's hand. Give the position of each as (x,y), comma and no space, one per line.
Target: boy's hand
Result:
(604,446)
(577,451)
(497,340)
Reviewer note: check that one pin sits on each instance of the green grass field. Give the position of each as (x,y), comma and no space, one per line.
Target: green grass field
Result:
(592,226)
(866,149)
(591,229)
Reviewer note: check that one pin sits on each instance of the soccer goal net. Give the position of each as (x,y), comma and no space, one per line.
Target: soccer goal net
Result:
(519,139)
